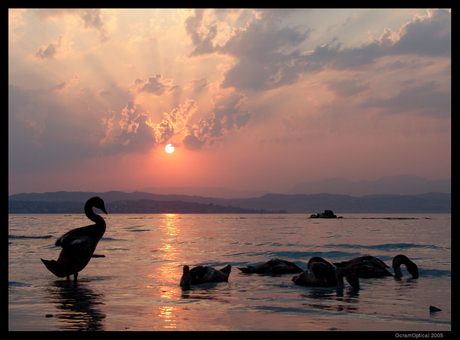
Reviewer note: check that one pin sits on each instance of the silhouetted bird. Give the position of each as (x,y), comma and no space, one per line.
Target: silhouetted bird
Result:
(370,266)
(78,245)
(321,273)
(275,266)
(365,267)
(400,259)
(204,274)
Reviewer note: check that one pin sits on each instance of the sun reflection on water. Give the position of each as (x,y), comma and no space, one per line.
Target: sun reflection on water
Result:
(166,273)
(167,314)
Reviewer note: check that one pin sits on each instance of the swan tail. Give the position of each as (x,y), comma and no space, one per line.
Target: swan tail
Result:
(54,267)
(227,269)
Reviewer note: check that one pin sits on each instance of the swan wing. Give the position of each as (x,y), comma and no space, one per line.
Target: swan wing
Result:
(77,236)
(323,272)
(198,273)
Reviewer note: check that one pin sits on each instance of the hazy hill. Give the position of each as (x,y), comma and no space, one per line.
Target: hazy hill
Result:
(214,192)
(142,206)
(400,185)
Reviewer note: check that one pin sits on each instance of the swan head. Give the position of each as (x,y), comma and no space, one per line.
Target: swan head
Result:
(186,270)
(412,268)
(97,202)
(186,278)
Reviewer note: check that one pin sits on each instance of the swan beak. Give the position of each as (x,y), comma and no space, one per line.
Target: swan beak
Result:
(103,210)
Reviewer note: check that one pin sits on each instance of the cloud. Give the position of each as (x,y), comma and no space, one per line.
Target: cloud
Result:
(156,85)
(102,93)
(91,18)
(398,65)
(428,35)
(133,131)
(227,116)
(192,25)
(46,135)
(347,87)
(71,132)
(263,63)
(198,85)
(175,122)
(258,48)
(62,87)
(262,66)
(202,40)
(191,141)
(55,49)
(425,98)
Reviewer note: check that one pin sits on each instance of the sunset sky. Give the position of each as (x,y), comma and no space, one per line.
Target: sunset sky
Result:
(250,99)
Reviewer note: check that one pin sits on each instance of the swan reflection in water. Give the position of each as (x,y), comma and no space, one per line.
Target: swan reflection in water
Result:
(78,306)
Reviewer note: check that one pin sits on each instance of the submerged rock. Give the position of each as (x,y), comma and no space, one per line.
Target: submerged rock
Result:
(434,309)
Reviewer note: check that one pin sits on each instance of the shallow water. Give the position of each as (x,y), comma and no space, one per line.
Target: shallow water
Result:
(136,285)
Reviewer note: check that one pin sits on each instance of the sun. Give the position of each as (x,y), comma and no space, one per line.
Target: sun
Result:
(169,148)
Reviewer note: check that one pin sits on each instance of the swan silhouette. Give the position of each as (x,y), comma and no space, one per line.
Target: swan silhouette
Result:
(78,245)
(204,274)
(370,266)
(274,266)
(400,259)
(321,273)
(365,267)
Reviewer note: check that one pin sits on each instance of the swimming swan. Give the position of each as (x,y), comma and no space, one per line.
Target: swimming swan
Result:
(204,274)
(321,273)
(275,266)
(400,259)
(370,267)
(78,245)
(365,267)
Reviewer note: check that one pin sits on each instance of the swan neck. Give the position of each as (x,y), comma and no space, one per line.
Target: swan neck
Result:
(397,269)
(340,284)
(351,279)
(92,215)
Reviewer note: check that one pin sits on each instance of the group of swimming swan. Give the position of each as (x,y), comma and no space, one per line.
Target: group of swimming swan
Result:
(78,246)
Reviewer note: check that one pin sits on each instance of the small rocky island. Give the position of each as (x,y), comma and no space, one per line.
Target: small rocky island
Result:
(325,214)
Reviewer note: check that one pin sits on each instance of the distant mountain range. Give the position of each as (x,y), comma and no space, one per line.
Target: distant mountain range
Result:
(215,192)
(140,202)
(400,185)
(141,206)
(396,194)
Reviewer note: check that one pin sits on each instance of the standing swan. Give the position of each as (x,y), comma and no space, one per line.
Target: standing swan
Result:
(78,245)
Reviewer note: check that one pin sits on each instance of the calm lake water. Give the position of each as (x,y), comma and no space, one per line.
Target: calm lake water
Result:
(135,287)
